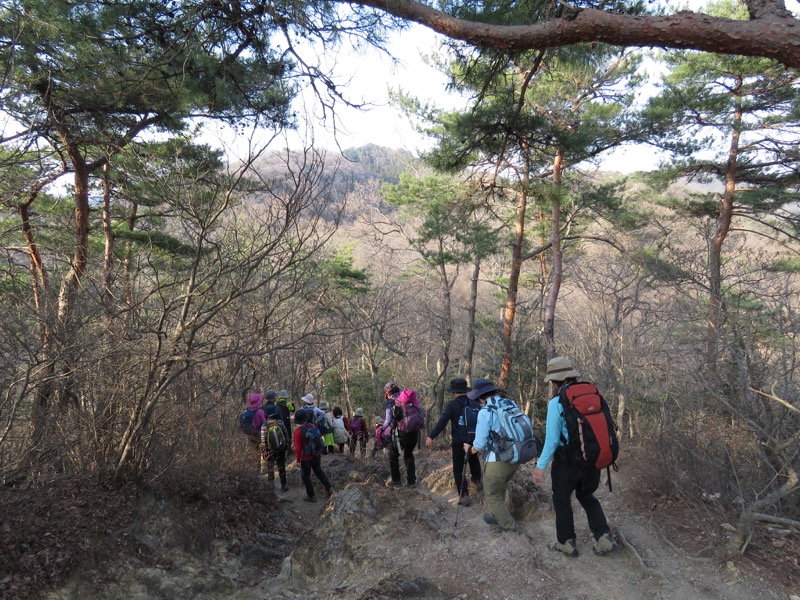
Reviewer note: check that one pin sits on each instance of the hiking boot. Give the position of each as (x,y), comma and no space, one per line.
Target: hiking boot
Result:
(330,491)
(284,487)
(465,501)
(567,548)
(489,518)
(478,484)
(412,484)
(310,498)
(605,544)
(394,484)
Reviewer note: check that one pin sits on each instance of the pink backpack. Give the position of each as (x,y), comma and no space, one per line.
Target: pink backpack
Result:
(383,437)
(407,413)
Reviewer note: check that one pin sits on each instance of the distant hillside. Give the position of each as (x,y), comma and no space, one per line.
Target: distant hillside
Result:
(376,162)
(357,167)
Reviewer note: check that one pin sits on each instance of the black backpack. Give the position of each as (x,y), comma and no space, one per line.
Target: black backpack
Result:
(321,421)
(468,420)
(274,436)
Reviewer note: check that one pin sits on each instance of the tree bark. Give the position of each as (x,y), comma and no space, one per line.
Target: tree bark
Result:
(771,33)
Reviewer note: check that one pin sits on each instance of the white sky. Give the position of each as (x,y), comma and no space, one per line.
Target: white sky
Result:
(373,74)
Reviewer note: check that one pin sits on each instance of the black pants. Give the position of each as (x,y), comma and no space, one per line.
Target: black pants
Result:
(276,459)
(408,442)
(474,462)
(315,464)
(567,478)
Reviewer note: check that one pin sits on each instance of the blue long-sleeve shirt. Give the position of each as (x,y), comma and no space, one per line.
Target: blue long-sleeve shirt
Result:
(555,428)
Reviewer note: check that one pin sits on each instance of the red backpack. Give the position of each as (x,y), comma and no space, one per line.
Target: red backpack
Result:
(592,432)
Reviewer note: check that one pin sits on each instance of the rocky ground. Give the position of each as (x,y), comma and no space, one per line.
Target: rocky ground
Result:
(241,538)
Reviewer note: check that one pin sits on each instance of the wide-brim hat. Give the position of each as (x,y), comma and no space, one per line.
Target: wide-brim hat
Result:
(307,399)
(482,386)
(254,400)
(270,394)
(323,405)
(283,394)
(458,385)
(359,412)
(560,369)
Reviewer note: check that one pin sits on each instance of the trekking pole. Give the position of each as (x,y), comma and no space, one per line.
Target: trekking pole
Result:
(461,489)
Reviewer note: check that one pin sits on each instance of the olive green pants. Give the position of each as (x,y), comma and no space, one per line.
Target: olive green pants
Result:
(496,476)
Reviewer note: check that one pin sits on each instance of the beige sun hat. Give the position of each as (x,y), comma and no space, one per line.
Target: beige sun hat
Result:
(560,369)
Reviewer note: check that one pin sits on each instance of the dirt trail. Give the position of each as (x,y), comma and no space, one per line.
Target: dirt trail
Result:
(374,542)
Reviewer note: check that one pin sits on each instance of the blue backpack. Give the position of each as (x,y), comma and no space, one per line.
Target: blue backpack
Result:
(312,439)
(513,440)
(246,421)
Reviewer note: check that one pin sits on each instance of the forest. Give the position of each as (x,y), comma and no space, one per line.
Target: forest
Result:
(150,281)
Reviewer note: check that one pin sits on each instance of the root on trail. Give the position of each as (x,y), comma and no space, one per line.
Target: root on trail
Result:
(639,559)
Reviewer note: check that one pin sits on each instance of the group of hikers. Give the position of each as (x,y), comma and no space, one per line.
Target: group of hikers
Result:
(490,437)
(268,422)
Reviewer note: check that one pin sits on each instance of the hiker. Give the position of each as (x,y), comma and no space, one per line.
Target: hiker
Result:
(275,442)
(269,399)
(496,473)
(308,453)
(359,432)
(326,428)
(340,433)
(250,422)
(567,476)
(462,413)
(316,415)
(286,409)
(402,441)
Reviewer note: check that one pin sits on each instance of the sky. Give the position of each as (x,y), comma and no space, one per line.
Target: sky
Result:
(373,74)
(368,78)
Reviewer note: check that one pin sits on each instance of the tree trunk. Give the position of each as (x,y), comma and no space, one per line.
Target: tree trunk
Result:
(724,218)
(558,266)
(473,308)
(447,339)
(509,313)
(108,253)
(80,254)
